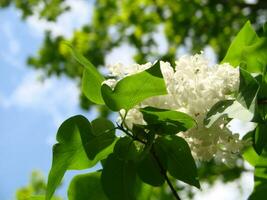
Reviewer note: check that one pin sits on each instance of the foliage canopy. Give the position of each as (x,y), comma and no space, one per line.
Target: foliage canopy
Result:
(192,26)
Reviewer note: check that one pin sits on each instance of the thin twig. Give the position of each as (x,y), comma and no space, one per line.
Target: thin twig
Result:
(123,123)
(163,172)
(262,101)
(120,127)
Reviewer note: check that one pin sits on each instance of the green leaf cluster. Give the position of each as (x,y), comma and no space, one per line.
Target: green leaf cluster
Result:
(145,157)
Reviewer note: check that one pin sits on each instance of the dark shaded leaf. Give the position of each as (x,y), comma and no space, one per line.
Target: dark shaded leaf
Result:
(126,149)
(248,90)
(119,179)
(180,163)
(260,138)
(101,137)
(149,171)
(260,177)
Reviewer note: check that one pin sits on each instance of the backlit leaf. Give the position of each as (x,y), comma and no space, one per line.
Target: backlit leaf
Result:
(133,89)
(86,186)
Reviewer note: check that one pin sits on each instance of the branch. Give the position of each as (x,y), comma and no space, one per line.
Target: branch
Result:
(163,172)
(262,101)
(120,127)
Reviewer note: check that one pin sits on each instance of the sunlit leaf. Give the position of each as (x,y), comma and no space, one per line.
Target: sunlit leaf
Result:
(86,186)
(248,48)
(70,152)
(167,121)
(249,153)
(246,36)
(92,79)
(42,197)
(133,89)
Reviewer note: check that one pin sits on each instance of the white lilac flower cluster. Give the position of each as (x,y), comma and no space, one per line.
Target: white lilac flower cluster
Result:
(193,87)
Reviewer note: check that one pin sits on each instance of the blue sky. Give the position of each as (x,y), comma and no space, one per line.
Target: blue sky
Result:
(31,111)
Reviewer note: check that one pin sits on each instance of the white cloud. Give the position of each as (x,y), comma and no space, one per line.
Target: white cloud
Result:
(55,96)
(123,54)
(13,44)
(80,13)
(161,40)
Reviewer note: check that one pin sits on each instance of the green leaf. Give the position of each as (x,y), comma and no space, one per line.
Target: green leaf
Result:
(149,171)
(126,149)
(102,136)
(244,38)
(42,197)
(227,108)
(256,56)
(248,90)
(243,108)
(260,137)
(37,197)
(145,191)
(102,126)
(260,177)
(119,179)
(139,132)
(70,153)
(87,187)
(262,96)
(180,163)
(134,89)
(248,48)
(250,155)
(148,192)
(92,79)
(167,121)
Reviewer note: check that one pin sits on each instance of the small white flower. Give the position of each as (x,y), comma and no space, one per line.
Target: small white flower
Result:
(120,71)
(117,70)
(194,87)
(134,116)
(110,82)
